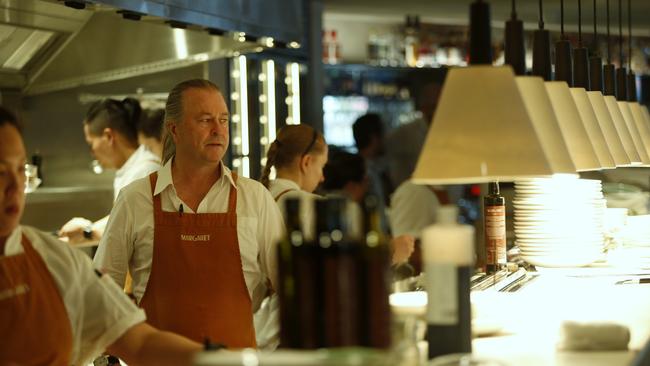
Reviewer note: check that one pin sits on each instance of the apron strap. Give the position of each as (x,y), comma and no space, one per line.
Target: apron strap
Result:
(282,193)
(232,196)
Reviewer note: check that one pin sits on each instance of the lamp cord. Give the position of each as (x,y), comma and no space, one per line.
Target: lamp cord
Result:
(620,33)
(513,13)
(595,29)
(579,24)
(629,36)
(562,18)
(541,15)
(609,46)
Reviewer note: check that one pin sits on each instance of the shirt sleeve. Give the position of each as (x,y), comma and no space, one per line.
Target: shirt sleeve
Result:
(412,208)
(269,232)
(116,246)
(106,313)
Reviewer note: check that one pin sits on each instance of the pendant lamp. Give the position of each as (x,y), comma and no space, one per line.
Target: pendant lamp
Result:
(486,133)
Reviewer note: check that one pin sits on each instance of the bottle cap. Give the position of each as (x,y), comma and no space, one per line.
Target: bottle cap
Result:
(447,214)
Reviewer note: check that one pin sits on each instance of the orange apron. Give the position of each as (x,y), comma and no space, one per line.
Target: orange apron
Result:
(33,320)
(196,287)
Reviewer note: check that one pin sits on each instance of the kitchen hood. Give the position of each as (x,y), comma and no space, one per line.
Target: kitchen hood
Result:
(46,46)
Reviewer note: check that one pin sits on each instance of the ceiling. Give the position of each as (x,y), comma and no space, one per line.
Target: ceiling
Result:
(457,12)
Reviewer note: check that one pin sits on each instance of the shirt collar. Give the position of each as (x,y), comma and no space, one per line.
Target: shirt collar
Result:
(131,161)
(165,176)
(12,246)
(286,184)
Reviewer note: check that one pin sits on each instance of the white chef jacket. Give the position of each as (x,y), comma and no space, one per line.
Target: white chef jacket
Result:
(412,208)
(98,310)
(128,239)
(140,164)
(307,215)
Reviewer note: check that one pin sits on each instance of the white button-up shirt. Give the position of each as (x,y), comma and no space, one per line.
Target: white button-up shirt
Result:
(140,164)
(98,310)
(128,239)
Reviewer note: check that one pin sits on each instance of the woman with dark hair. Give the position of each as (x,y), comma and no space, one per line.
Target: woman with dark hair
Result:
(150,130)
(110,128)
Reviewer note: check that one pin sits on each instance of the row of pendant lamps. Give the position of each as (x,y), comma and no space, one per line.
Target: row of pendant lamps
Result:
(492,125)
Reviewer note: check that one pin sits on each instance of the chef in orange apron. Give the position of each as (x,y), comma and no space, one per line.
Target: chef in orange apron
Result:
(198,240)
(55,309)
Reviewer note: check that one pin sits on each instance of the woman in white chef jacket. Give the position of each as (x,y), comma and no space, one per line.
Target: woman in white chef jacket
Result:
(55,309)
(110,129)
(298,155)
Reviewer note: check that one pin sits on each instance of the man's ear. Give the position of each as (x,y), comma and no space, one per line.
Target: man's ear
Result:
(172,128)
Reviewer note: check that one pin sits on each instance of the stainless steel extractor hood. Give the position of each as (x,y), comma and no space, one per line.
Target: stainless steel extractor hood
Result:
(46,46)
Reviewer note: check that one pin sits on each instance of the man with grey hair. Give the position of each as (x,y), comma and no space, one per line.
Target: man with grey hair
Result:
(198,240)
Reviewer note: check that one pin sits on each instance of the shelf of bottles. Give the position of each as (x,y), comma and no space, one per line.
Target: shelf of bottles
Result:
(267,100)
(292,80)
(239,119)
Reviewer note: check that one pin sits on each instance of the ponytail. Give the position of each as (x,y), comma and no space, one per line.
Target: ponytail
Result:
(271,157)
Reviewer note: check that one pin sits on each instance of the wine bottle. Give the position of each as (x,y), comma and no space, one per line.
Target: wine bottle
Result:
(287,289)
(375,317)
(340,304)
(494,216)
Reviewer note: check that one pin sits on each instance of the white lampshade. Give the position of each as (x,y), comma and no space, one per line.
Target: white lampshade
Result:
(606,123)
(634,131)
(594,132)
(540,111)
(641,124)
(644,109)
(623,131)
(481,132)
(574,132)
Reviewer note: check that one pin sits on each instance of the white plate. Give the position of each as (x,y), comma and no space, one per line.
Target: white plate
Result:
(560,261)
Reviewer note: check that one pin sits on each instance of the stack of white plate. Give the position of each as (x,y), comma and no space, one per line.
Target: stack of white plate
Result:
(637,231)
(559,221)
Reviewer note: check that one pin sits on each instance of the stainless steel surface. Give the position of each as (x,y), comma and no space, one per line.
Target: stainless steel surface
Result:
(46,46)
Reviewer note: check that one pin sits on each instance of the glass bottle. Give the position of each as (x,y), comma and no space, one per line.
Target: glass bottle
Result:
(494,216)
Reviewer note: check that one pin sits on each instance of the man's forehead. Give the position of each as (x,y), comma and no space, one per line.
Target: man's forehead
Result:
(204,101)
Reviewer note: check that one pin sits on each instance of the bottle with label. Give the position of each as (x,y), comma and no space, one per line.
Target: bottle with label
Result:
(375,277)
(287,289)
(494,216)
(334,49)
(448,256)
(340,284)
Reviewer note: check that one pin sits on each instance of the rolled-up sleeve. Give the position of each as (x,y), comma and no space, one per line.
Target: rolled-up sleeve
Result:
(116,245)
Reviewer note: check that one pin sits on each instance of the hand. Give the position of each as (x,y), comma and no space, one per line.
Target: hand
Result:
(73,230)
(403,247)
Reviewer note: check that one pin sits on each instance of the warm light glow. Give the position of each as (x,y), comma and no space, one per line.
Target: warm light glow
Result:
(293,99)
(180,42)
(270,92)
(243,90)
(246,169)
